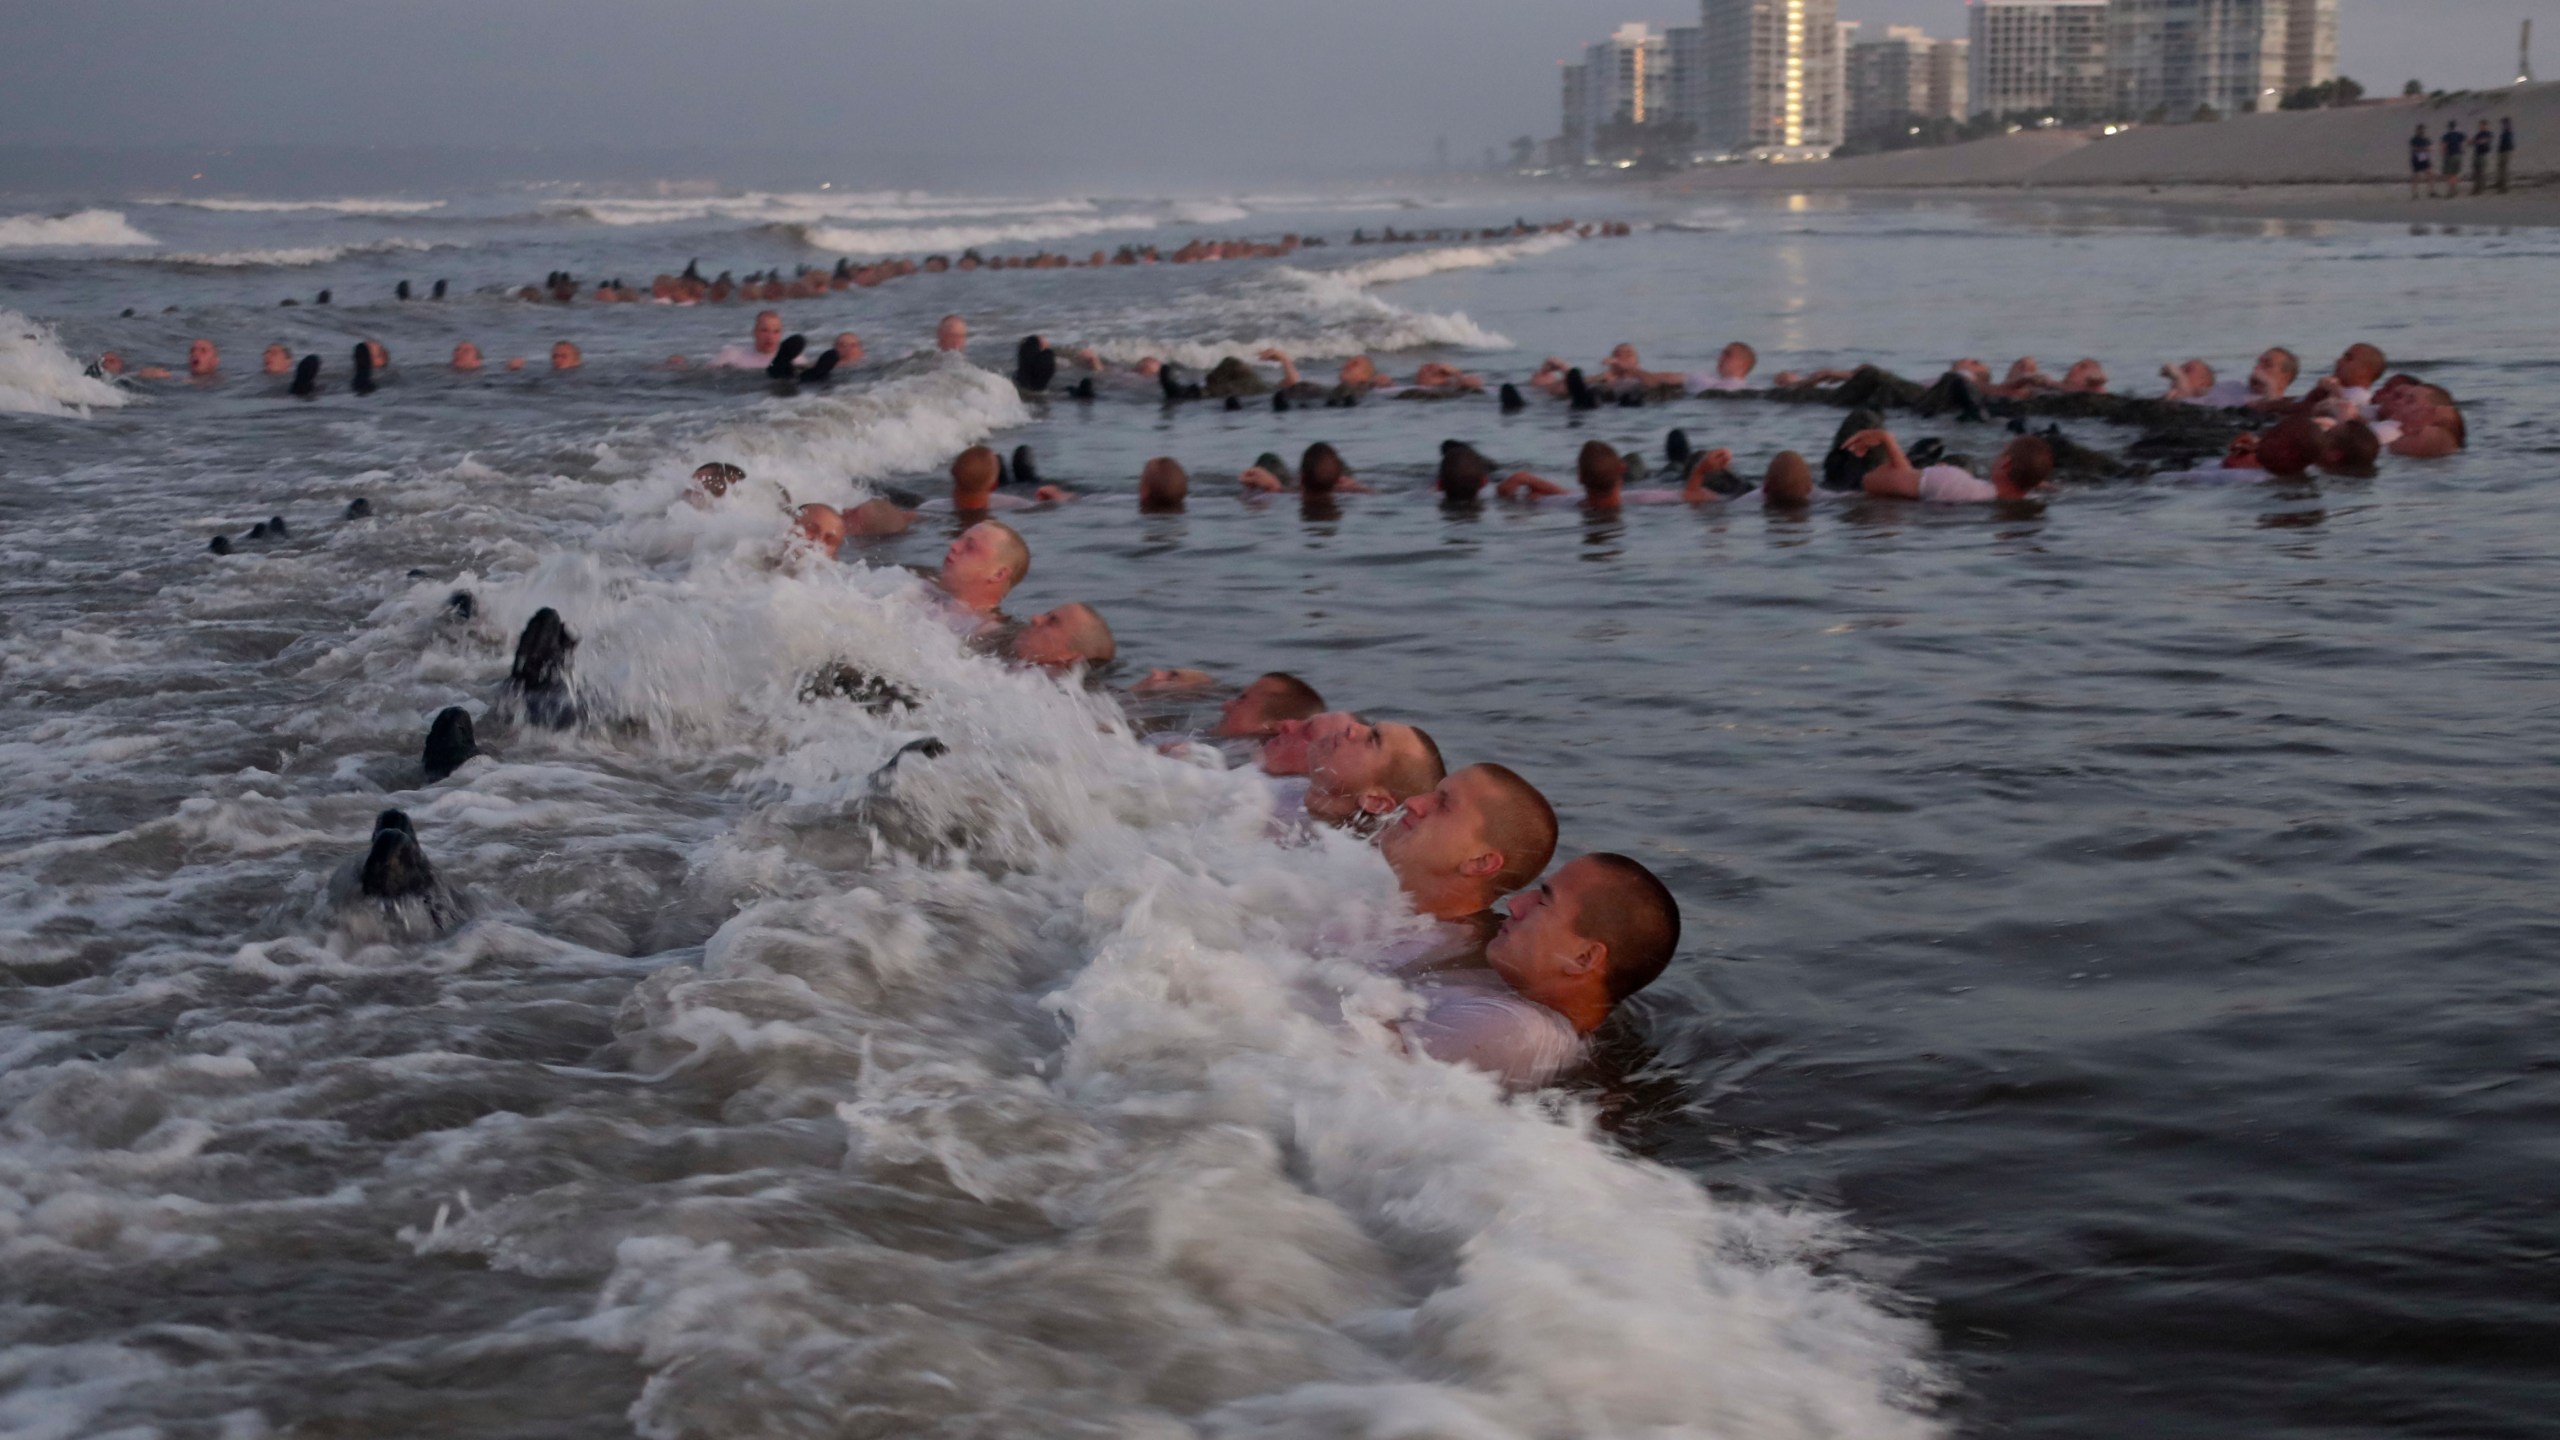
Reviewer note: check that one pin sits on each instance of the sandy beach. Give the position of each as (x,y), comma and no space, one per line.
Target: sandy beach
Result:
(2335,165)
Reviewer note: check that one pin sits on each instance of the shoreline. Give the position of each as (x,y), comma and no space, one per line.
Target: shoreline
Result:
(2378,203)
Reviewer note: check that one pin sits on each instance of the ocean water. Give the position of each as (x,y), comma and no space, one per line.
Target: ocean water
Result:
(2116,993)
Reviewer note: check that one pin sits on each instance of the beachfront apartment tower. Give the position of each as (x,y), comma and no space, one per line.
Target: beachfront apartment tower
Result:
(2310,44)
(1623,80)
(2045,57)
(1770,82)
(1900,78)
(2173,59)
(1573,141)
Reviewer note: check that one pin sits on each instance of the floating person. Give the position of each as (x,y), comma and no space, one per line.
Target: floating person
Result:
(951,336)
(275,360)
(1259,710)
(1163,486)
(1734,365)
(1570,950)
(1464,470)
(466,357)
(822,526)
(2023,466)
(538,684)
(450,742)
(1478,835)
(981,567)
(1359,771)
(565,355)
(764,339)
(1069,635)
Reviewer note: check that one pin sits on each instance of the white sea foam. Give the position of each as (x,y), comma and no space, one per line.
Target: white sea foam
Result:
(81,227)
(38,377)
(1325,314)
(353,205)
(283,256)
(918,239)
(813,207)
(1206,212)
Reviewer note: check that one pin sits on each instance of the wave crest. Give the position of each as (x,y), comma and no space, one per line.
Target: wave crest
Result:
(81,227)
(39,377)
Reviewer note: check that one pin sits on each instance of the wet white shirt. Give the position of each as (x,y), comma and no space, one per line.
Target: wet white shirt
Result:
(1472,1017)
(1955,485)
(1700,384)
(2225,395)
(740,357)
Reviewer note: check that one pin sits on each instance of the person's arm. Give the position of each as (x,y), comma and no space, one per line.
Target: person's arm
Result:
(1523,484)
(1288,367)
(1897,476)
(1258,479)
(1350,486)
(1694,488)
(1051,494)
(1159,681)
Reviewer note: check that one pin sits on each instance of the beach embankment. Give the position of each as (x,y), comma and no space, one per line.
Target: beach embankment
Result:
(2310,164)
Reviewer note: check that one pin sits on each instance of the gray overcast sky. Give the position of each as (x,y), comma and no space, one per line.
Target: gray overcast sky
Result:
(1192,91)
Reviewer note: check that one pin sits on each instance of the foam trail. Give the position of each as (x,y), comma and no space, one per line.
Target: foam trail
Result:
(82,227)
(912,239)
(283,256)
(346,206)
(38,377)
(1419,263)
(812,207)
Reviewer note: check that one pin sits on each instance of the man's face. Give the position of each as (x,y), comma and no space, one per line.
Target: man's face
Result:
(1538,937)
(466,356)
(952,333)
(848,349)
(112,363)
(276,361)
(202,359)
(381,357)
(2270,375)
(1247,716)
(823,528)
(1350,756)
(564,356)
(768,333)
(1733,362)
(1623,357)
(2085,375)
(1439,832)
(973,559)
(1048,639)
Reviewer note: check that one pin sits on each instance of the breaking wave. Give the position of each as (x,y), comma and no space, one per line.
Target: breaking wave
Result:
(919,239)
(81,227)
(283,256)
(346,206)
(39,377)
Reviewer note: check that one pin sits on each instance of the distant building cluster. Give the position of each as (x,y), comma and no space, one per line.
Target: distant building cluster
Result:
(1787,79)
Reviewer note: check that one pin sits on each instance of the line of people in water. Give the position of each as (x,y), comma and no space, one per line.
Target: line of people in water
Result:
(690,287)
(1517,963)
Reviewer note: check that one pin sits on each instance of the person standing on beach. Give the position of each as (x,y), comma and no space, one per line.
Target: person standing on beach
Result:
(2506,149)
(2482,142)
(2453,139)
(2422,162)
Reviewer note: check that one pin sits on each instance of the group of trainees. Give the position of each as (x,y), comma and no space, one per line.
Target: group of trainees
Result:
(1517,965)
(691,287)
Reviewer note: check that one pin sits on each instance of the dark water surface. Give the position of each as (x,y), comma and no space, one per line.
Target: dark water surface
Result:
(2128,913)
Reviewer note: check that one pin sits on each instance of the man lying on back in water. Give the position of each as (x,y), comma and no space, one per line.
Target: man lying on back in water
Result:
(980,568)
(2023,466)
(1571,950)
(1072,634)
(975,473)
(1356,771)
(1476,836)
(1257,712)
(758,353)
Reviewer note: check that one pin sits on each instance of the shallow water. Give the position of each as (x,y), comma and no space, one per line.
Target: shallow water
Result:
(2112,998)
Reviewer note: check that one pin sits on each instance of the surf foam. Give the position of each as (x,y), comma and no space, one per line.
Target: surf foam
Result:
(81,227)
(39,377)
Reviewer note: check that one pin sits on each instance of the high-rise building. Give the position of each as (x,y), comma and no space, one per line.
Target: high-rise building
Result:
(1688,46)
(2039,56)
(2310,44)
(2172,58)
(1573,141)
(1901,77)
(1623,80)
(1772,76)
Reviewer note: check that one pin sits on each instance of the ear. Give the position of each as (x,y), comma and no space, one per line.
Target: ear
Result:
(1591,958)
(1478,866)
(1374,801)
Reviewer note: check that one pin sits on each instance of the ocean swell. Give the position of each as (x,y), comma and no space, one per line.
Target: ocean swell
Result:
(38,377)
(81,227)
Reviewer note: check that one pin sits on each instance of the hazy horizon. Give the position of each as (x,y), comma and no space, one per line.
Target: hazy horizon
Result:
(970,92)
